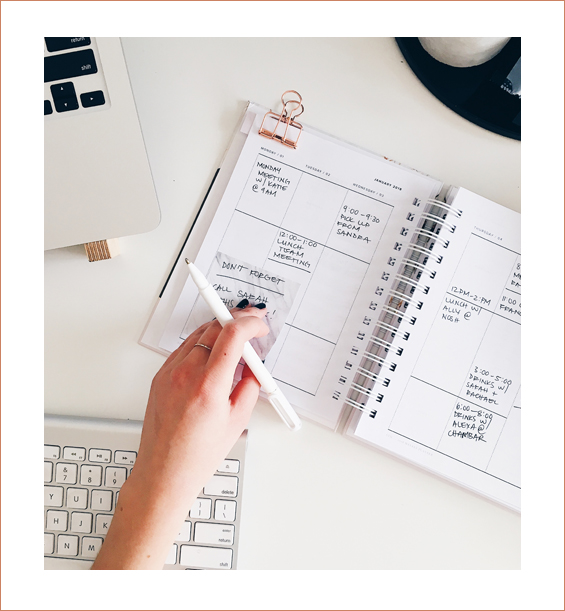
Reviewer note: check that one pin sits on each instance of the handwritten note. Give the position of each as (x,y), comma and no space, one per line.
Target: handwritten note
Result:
(452,401)
(310,221)
(270,179)
(236,280)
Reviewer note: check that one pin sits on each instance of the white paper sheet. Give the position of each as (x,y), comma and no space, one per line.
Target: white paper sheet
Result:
(453,404)
(325,217)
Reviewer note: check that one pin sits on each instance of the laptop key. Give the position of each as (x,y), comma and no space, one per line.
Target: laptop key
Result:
(47,108)
(92,98)
(64,97)
(60,44)
(68,65)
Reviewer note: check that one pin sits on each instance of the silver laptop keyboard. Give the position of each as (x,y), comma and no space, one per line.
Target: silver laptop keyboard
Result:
(86,461)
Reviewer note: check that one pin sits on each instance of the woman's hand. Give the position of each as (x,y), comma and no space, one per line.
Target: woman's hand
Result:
(191,423)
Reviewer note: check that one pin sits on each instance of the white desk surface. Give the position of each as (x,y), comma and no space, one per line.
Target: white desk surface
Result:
(313,500)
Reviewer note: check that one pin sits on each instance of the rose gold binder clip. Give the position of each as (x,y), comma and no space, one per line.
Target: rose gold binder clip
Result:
(283,127)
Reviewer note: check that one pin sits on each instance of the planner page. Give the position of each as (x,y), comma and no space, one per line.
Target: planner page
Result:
(307,232)
(453,402)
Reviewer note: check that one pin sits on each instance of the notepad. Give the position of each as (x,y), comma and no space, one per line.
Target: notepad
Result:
(395,302)
(453,403)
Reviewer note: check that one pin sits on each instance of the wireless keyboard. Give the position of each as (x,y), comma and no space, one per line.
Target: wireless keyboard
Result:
(86,462)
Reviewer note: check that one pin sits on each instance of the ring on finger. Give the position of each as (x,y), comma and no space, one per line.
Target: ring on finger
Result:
(203,346)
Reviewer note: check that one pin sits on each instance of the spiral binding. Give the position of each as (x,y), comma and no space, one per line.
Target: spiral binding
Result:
(378,356)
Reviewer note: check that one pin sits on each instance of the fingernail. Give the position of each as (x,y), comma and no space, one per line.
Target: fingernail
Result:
(260,306)
(242,304)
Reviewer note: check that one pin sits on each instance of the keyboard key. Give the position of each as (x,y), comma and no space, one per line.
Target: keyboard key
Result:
(90,475)
(47,108)
(69,564)
(102,523)
(229,466)
(184,533)
(48,543)
(81,522)
(221,485)
(53,496)
(216,534)
(224,511)
(91,546)
(77,498)
(115,476)
(67,545)
(57,520)
(68,65)
(83,479)
(96,455)
(205,557)
(74,453)
(61,44)
(66,473)
(202,509)
(93,98)
(101,500)
(51,451)
(64,97)
(124,458)
(172,556)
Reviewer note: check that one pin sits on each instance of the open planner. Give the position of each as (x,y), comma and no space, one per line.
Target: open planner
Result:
(393,301)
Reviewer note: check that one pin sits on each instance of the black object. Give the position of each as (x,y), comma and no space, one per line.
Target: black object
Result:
(93,98)
(60,44)
(68,65)
(47,108)
(64,97)
(475,93)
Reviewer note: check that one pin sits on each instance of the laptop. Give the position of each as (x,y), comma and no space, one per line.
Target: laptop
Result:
(98,182)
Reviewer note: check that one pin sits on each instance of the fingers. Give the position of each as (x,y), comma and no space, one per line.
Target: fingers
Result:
(187,344)
(188,354)
(186,347)
(210,336)
(243,399)
(228,346)
(247,373)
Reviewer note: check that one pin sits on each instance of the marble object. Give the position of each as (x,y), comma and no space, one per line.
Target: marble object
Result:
(463,52)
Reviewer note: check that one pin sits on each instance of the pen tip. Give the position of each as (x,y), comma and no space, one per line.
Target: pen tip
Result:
(187,261)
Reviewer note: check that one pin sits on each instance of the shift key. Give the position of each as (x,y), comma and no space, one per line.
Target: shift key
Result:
(69,65)
(198,557)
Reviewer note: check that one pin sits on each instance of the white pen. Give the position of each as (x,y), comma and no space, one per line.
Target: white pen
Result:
(223,315)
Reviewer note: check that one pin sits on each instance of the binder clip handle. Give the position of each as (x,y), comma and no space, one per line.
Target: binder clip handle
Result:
(283,127)
(298,104)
